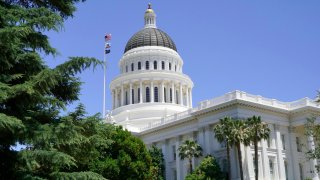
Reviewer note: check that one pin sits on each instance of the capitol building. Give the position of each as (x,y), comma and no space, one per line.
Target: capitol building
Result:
(152,98)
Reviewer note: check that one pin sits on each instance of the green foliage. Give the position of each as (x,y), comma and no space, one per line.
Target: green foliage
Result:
(257,132)
(126,158)
(188,150)
(158,164)
(312,129)
(208,169)
(31,98)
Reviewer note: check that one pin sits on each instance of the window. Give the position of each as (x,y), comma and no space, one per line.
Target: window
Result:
(223,144)
(268,142)
(139,94)
(301,171)
(132,67)
(147,94)
(175,68)
(155,65)
(286,169)
(283,142)
(298,144)
(165,95)
(177,97)
(156,95)
(147,65)
(224,165)
(170,95)
(132,96)
(139,65)
(271,169)
(254,165)
(126,97)
(126,68)
(162,65)
(174,152)
(170,66)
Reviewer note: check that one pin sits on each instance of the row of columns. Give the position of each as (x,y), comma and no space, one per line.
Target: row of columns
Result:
(182,95)
(289,157)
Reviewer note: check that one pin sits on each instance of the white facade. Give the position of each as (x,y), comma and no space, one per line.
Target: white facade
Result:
(154,100)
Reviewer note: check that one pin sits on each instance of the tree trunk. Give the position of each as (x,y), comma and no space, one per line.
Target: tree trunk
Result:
(256,169)
(190,165)
(229,165)
(240,160)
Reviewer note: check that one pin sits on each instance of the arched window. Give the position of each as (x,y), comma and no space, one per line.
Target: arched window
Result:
(170,66)
(177,96)
(147,65)
(156,94)
(132,67)
(139,65)
(155,65)
(162,65)
(138,94)
(175,68)
(132,96)
(147,94)
(126,68)
(170,95)
(165,94)
(126,97)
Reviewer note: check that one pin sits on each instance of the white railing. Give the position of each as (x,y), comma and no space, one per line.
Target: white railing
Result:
(229,97)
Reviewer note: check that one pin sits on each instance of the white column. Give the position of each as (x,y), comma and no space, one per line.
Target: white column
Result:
(122,95)
(190,98)
(141,97)
(162,92)
(173,92)
(294,154)
(248,163)
(207,140)
(130,94)
(181,95)
(187,96)
(165,153)
(152,91)
(178,168)
(281,168)
(265,160)
(313,162)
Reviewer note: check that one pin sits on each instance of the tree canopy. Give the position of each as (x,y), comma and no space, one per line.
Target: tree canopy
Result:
(208,169)
(32,95)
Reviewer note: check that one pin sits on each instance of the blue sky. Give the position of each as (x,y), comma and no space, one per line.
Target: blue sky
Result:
(268,48)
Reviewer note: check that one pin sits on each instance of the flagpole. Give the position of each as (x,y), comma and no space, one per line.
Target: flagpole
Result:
(104,84)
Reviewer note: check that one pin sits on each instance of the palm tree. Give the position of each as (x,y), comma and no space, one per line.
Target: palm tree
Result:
(258,131)
(222,132)
(190,149)
(239,135)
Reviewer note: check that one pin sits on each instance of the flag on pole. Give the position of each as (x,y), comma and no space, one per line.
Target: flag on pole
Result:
(108,45)
(107,37)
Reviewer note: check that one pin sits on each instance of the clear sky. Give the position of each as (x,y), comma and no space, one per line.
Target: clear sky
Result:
(268,48)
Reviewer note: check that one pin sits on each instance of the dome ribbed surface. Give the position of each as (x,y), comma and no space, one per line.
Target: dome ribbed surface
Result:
(150,37)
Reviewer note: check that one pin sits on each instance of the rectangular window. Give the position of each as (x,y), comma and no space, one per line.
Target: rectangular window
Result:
(138,94)
(162,65)
(286,169)
(170,66)
(271,169)
(174,152)
(170,95)
(298,144)
(283,142)
(301,171)
(269,142)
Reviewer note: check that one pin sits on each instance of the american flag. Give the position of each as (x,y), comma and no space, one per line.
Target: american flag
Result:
(107,37)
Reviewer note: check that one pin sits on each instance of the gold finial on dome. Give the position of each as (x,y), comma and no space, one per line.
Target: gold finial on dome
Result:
(149,10)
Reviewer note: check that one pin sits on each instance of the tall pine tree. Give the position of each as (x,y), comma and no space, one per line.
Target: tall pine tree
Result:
(32,94)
